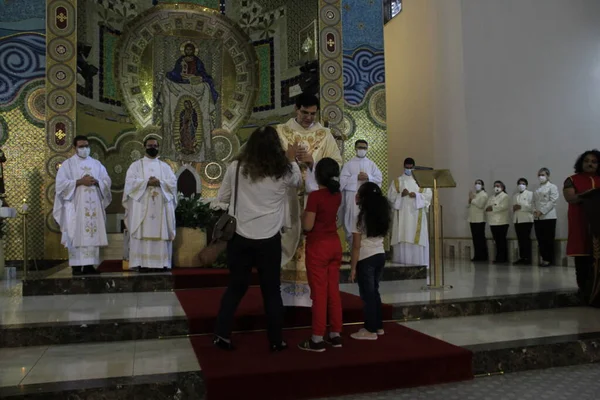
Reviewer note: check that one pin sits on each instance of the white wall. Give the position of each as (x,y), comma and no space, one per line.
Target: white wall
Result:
(517,87)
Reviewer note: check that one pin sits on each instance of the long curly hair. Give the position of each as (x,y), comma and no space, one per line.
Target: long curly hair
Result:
(263,156)
(374,217)
(579,163)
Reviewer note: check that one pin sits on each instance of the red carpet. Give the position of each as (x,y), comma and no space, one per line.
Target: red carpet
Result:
(201,307)
(108,266)
(401,358)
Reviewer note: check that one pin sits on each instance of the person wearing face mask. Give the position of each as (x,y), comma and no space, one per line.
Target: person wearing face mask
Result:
(544,214)
(149,199)
(523,220)
(354,174)
(497,216)
(580,241)
(477,203)
(82,195)
(410,237)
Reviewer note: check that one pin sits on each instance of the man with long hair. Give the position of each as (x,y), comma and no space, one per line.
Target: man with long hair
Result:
(314,142)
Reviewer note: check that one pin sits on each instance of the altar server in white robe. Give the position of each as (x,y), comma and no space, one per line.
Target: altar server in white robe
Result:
(149,199)
(82,195)
(410,203)
(354,173)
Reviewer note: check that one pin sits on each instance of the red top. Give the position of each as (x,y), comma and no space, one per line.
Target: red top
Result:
(579,242)
(325,205)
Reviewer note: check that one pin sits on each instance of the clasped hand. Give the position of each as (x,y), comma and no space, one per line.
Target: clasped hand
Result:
(363,176)
(88,180)
(405,193)
(153,181)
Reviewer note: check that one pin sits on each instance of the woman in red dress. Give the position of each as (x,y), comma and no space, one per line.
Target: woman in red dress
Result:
(579,243)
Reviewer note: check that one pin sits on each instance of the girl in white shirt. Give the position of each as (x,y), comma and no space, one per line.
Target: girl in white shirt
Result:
(497,216)
(477,203)
(544,213)
(523,220)
(368,255)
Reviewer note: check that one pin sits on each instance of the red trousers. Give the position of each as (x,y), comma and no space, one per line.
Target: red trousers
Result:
(323,262)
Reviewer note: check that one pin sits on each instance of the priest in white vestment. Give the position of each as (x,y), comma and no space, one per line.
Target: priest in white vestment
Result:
(149,199)
(315,143)
(355,172)
(82,195)
(410,204)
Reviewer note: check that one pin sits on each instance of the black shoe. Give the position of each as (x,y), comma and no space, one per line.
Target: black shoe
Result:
(276,348)
(222,344)
(335,341)
(89,270)
(77,271)
(309,345)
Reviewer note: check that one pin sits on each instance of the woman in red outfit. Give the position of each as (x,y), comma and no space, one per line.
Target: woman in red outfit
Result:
(324,257)
(579,243)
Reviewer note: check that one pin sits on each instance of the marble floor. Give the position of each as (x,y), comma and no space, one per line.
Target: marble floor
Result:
(468,281)
(31,365)
(569,383)
(28,365)
(485,329)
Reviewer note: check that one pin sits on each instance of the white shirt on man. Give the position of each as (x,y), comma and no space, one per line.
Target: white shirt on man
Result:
(150,213)
(525,214)
(260,211)
(544,200)
(80,210)
(349,185)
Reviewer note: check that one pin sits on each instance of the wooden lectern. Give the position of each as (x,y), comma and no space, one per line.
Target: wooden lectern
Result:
(434,180)
(591,205)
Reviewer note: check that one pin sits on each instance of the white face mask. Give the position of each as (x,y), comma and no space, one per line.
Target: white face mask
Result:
(361,153)
(522,188)
(478,187)
(83,152)
(408,172)
(543,178)
(497,190)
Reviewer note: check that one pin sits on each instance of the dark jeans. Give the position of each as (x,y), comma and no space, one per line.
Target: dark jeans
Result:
(479,241)
(499,233)
(524,237)
(242,255)
(369,272)
(545,230)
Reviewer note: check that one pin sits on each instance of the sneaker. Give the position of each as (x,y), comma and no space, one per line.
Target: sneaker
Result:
(333,341)
(380,332)
(309,345)
(276,348)
(364,334)
(223,344)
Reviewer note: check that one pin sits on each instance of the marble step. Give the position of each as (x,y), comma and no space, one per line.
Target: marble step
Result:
(63,282)
(152,369)
(53,320)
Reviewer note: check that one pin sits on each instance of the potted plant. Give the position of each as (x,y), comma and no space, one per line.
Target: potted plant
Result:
(194,220)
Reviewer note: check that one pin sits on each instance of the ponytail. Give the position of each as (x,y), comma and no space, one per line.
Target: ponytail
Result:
(327,173)
(333,185)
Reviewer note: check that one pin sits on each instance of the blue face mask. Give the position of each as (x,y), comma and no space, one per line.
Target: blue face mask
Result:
(408,172)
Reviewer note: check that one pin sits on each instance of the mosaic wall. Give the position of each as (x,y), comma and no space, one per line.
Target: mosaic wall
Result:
(61,89)
(364,80)
(22,114)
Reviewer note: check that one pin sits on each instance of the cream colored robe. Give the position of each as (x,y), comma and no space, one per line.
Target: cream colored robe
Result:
(80,210)
(150,213)
(321,144)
